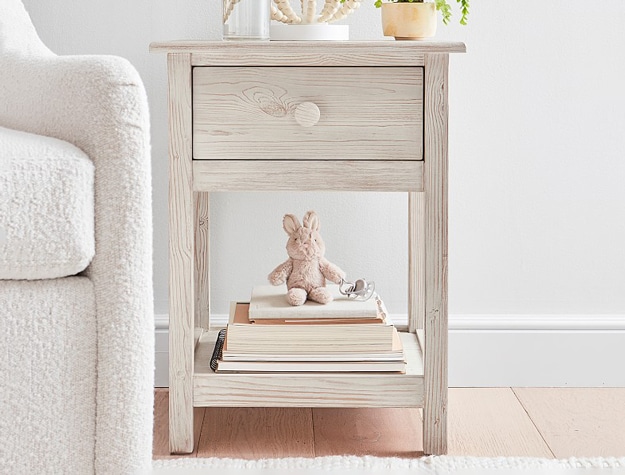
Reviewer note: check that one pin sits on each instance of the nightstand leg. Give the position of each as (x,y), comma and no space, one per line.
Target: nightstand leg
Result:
(435,184)
(181,256)
(416,261)
(202,260)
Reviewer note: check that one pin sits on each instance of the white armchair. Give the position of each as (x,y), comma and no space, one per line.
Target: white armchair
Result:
(76,309)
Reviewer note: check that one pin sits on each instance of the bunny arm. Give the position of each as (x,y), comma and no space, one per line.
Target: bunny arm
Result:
(281,273)
(331,271)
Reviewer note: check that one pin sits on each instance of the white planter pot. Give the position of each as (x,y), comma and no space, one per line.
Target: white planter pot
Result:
(409,21)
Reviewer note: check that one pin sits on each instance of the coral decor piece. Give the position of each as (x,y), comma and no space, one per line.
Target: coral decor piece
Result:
(228,7)
(286,13)
(333,10)
(282,11)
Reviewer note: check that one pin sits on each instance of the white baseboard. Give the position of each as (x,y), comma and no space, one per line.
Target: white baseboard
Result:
(509,350)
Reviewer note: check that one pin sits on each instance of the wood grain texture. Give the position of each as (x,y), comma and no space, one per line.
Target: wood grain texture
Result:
(307,114)
(371,112)
(309,175)
(421,339)
(380,432)
(249,113)
(490,422)
(308,390)
(416,261)
(181,255)
(160,448)
(435,183)
(197,336)
(578,422)
(255,433)
(309,53)
(202,260)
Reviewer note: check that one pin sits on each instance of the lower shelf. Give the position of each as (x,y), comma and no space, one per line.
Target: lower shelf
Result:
(307,390)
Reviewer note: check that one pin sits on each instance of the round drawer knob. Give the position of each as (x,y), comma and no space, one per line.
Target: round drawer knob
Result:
(307,114)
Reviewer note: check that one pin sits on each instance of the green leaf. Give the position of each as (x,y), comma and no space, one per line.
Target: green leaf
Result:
(445,9)
(441,5)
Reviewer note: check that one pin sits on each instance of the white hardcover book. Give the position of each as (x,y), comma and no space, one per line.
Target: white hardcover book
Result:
(396,354)
(311,367)
(269,302)
(243,336)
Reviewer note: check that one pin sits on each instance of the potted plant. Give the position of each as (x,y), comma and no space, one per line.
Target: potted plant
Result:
(416,19)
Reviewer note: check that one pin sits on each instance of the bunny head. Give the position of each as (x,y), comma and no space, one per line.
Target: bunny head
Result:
(304,242)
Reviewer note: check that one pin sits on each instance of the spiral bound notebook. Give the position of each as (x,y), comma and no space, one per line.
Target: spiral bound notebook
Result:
(219,346)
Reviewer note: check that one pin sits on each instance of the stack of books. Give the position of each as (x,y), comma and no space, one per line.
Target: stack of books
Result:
(269,335)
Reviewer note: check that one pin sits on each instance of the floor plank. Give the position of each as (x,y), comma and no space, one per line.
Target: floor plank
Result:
(486,422)
(388,432)
(160,447)
(254,433)
(578,422)
(490,422)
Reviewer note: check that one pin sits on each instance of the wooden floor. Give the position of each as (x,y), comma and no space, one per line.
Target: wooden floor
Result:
(488,422)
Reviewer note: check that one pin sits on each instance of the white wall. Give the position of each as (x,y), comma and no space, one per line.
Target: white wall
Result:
(537,161)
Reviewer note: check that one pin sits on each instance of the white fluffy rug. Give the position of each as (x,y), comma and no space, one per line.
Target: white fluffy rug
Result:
(349,465)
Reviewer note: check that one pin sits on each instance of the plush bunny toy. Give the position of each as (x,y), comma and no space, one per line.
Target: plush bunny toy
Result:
(306,270)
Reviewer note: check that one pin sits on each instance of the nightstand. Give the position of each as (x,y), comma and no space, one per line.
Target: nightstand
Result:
(308,116)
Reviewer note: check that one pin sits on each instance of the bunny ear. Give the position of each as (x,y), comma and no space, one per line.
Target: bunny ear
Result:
(311,221)
(290,223)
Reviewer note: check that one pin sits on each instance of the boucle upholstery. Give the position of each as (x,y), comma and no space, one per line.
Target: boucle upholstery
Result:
(46,207)
(48,393)
(98,104)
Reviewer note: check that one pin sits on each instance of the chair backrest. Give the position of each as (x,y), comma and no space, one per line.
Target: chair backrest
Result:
(17,32)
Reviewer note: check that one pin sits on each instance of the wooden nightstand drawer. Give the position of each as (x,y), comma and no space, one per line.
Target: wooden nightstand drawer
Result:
(308,113)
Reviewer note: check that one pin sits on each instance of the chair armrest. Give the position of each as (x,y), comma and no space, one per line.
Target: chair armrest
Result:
(99,104)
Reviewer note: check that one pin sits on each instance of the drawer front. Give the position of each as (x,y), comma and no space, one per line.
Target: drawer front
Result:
(308,113)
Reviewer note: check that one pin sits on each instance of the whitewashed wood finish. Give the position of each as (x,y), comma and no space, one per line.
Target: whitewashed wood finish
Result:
(202,260)
(384,173)
(307,175)
(308,390)
(421,339)
(490,422)
(367,113)
(197,335)
(435,184)
(578,422)
(420,259)
(300,57)
(308,53)
(181,256)
(307,114)
(416,259)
